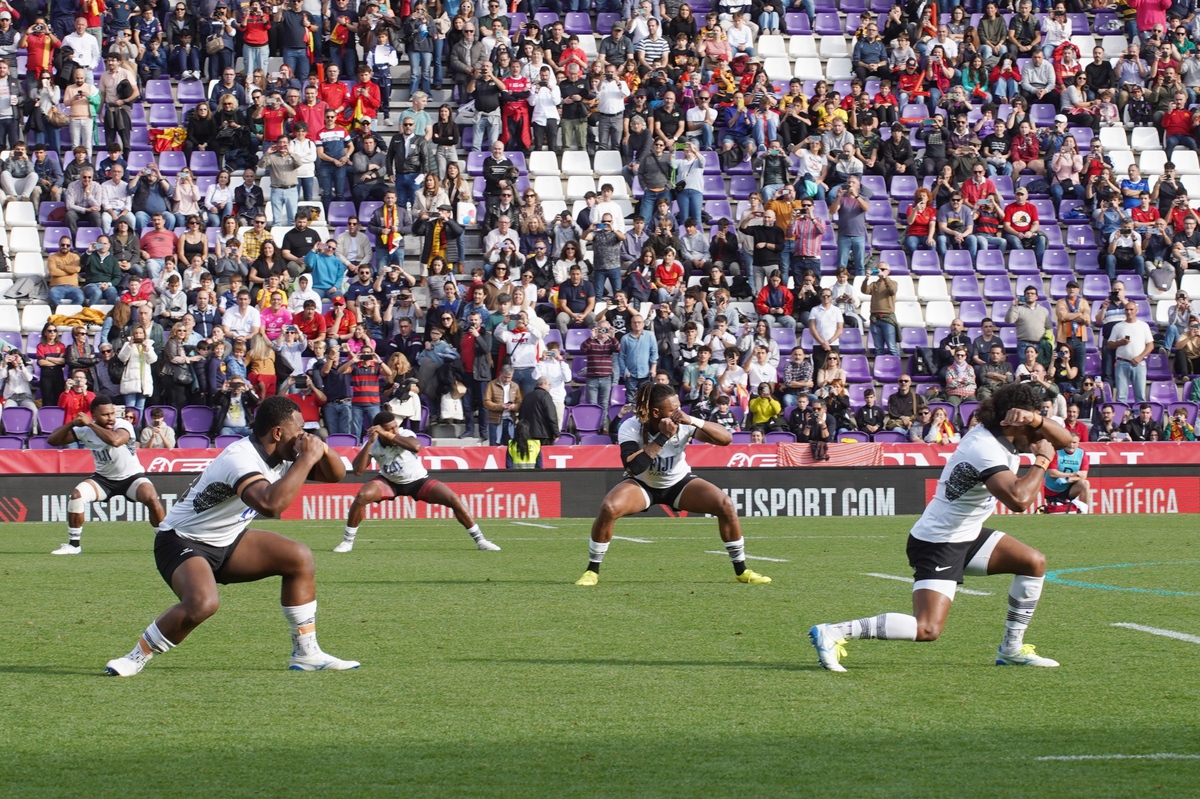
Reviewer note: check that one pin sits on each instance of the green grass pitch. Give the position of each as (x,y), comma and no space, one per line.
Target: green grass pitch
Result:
(492,675)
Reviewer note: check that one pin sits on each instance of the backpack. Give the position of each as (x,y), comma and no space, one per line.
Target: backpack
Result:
(636,287)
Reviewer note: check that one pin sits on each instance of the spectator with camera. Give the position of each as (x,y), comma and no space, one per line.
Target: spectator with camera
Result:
(157,434)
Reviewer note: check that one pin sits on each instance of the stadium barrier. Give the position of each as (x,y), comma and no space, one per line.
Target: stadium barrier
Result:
(550,494)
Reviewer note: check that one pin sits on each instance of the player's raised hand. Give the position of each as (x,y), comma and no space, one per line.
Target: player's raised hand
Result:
(1017,417)
(668,427)
(81,420)
(309,447)
(679,417)
(374,431)
(1042,447)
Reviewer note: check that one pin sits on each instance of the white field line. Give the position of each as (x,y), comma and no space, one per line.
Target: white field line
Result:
(1191,639)
(1158,756)
(748,557)
(634,540)
(909,580)
(531,524)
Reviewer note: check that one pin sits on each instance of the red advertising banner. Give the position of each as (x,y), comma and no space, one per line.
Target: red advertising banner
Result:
(701,456)
(1126,495)
(504,500)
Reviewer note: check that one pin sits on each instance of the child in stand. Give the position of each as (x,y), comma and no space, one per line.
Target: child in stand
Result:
(722,415)
(381,58)
(886,103)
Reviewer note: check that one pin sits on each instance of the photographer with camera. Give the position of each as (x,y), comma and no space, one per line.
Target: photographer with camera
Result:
(157,434)
(365,372)
(1125,250)
(300,389)
(1032,320)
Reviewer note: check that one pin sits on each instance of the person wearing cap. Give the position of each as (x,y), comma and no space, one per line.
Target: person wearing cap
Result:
(1022,229)
(614,48)
(9,39)
(439,231)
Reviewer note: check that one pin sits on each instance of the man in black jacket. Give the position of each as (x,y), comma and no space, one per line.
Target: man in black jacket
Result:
(538,409)
(409,155)
(499,173)
(440,232)
(897,153)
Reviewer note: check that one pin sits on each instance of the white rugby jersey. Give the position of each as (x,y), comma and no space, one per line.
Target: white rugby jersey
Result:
(211,511)
(670,466)
(962,502)
(396,464)
(115,463)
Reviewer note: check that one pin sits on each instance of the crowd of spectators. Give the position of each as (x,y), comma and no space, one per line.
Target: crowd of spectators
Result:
(222,295)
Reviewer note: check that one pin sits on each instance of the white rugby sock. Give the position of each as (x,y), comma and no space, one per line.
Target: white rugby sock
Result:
(1023,597)
(152,642)
(885,627)
(475,533)
(596,552)
(351,532)
(73,535)
(303,619)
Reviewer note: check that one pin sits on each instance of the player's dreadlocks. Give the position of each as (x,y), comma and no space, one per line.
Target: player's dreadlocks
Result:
(648,396)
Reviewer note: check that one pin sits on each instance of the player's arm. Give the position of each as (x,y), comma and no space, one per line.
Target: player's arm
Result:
(329,469)
(1018,493)
(712,434)
(363,459)
(409,443)
(113,438)
(637,456)
(63,436)
(272,499)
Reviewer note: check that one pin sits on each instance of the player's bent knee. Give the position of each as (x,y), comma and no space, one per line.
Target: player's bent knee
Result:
(1036,564)
(928,630)
(302,560)
(199,607)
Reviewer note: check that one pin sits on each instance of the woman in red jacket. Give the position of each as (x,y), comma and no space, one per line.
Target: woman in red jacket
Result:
(774,303)
(1026,151)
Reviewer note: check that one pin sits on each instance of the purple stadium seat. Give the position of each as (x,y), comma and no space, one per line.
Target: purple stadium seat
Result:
(51,417)
(1023,262)
(52,235)
(546,18)
(518,21)
(49,208)
(915,111)
(1134,289)
(605,22)
(1164,391)
(1045,210)
(911,338)
(342,440)
(926,262)
(340,212)
(884,237)
(12,442)
(224,441)
(1096,287)
(797,23)
(903,186)
(1087,262)
(889,437)
(1054,237)
(714,186)
(1190,408)
(964,412)
(197,418)
(17,421)
(159,91)
(888,368)
(575,339)
(740,186)
(475,163)
(879,212)
(997,287)
(139,161)
(785,339)
(139,139)
(779,437)
(1004,185)
(1008,337)
(204,162)
(958,262)
(1042,114)
(191,91)
(1092,363)
(851,341)
(163,116)
(857,369)
(853,435)
(193,441)
(594,440)
(579,23)
(876,185)
(40,442)
(1058,286)
(964,287)
(1057,262)
(87,236)
(1158,365)
(718,209)
(587,418)
(896,259)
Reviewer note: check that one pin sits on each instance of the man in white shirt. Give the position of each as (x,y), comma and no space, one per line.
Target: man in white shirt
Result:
(700,120)
(503,232)
(544,99)
(826,323)
(116,201)
(610,105)
(87,50)
(1133,341)
(242,320)
(607,205)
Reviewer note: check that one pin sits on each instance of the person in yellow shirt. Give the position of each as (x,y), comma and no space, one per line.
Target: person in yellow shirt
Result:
(765,410)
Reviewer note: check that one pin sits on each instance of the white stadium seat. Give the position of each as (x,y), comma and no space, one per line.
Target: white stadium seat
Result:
(939,313)
(802,47)
(28,263)
(579,185)
(1150,162)
(67,309)
(620,188)
(576,162)
(19,214)
(778,68)
(931,288)
(543,163)
(808,69)
(552,208)
(770,46)
(548,188)
(1114,139)
(25,239)
(1113,46)
(607,162)
(908,313)
(904,287)
(5,285)
(1145,139)
(1121,159)
(1185,162)
(839,69)
(833,47)
(10,319)
(33,317)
